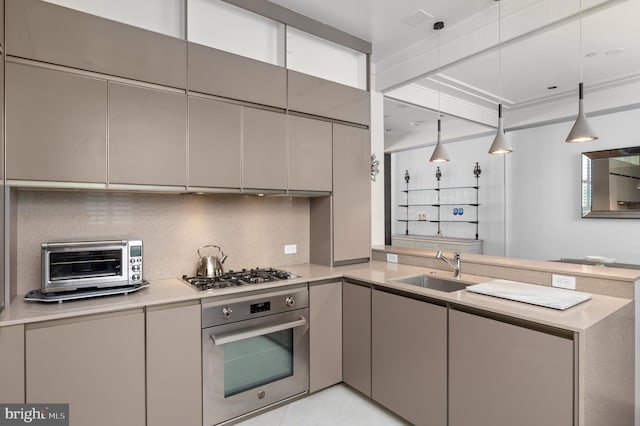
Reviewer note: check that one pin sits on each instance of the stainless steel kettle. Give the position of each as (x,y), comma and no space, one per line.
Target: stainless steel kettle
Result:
(210,266)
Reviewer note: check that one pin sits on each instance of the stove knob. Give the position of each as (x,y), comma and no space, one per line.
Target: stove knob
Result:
(226,312)
(289,301)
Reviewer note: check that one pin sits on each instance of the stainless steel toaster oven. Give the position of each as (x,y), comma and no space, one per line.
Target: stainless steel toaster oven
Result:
(83,264)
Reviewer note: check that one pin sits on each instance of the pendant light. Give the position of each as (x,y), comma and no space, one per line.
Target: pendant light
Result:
(439,153)
(581,130)
(500,143)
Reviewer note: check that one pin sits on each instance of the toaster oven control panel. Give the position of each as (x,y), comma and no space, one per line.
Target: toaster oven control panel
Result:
(135,262)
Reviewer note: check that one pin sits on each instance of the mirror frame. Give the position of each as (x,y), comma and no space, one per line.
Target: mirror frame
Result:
(587,184)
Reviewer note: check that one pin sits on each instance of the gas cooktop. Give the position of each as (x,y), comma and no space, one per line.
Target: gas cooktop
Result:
(238,278)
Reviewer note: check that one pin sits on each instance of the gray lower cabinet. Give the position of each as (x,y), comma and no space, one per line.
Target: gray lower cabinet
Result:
(356,337)
(325,340)
(215,144)
(264,149)
(351,194)
(409,358)
(12,365)
(95,363)
(502,374)
(55,125)
(174,372)
(310,162)
(147,136)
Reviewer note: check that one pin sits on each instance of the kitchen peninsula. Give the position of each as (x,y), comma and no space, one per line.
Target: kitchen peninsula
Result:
(588,347)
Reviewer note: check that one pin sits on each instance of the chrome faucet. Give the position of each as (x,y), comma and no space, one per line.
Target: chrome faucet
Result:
(455,264)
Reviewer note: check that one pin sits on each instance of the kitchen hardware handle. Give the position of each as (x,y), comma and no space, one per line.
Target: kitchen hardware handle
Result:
(224,338)
(83,243)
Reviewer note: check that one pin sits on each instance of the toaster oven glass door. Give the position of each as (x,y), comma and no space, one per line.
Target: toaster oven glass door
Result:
(85,264)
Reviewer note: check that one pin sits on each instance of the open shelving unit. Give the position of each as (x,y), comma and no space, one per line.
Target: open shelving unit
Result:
(456,197)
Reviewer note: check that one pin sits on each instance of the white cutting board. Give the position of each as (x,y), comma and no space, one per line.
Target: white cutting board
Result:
(549,297)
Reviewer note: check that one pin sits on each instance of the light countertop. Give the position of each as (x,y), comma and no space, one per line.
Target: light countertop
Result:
(379,274)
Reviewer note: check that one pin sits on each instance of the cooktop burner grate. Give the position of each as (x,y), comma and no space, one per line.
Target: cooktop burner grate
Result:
(238,278)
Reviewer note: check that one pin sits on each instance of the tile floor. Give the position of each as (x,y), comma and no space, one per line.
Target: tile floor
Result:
(336,406)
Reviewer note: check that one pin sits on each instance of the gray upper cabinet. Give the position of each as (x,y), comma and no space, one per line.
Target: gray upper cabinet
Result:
(264,150)
(309,154)
(49,33)
(325,98)
(55,125)
(215,144)
(351,194)
(147,136)
(224,74)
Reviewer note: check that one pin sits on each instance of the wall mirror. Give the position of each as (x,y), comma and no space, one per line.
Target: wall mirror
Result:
(611,183)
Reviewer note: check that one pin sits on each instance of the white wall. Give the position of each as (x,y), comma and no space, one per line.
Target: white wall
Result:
(544,194)
(457,172)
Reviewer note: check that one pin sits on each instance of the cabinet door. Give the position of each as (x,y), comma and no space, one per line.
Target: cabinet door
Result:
(356,337)
(215,144)
(12,365)
(351,194)
(325,335)
(309,154)
(503,375)
(174,372)
(225,74)
(96,364)
(325,98)
(50,33)
(55,125)
(264,149)
(409,358)
(147,136)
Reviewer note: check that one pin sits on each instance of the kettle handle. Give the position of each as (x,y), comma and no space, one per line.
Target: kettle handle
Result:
(211,245)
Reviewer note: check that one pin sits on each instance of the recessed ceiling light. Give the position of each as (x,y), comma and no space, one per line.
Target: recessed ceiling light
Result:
(615,51)
(552,87)
(416,123)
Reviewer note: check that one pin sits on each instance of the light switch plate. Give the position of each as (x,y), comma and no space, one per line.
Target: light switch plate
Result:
(392,258)
(290,249)
(563,281)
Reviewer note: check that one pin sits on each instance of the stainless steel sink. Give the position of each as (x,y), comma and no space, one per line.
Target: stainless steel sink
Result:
(433,283)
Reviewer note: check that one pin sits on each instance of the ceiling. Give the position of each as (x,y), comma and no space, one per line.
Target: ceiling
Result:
(539,55)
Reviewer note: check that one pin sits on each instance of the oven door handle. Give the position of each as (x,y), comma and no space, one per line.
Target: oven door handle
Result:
(223,338)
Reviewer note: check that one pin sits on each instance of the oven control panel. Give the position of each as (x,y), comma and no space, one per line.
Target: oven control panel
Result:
(260,307)
(239,307)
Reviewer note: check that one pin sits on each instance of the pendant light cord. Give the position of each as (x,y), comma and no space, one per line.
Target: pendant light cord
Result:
(438,76)
(499,51)
(581,59)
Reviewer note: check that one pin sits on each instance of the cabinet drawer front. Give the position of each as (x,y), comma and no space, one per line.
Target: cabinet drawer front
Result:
(55,125)
(220,73)
(147,136)
(325,98)
(50,33)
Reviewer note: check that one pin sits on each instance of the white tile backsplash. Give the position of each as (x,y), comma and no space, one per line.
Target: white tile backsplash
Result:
(251,230)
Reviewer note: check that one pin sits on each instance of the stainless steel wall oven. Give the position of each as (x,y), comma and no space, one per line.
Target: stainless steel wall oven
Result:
(255,351)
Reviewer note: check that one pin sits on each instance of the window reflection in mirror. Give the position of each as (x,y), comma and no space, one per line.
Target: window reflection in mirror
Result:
(611,183)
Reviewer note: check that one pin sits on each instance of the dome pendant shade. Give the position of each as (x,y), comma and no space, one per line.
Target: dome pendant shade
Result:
(581,130)
(500,144)
(439,153)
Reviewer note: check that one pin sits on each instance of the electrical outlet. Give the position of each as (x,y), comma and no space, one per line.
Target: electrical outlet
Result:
(563,281)
(392,258)
(290,249)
